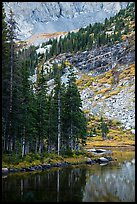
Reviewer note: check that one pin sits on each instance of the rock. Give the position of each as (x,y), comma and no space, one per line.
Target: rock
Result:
(99,151)
(32,168)
(91,150)
(13,170)
(107,114)
(52,17)
(127,127)
(103,164)
(89,160)
(103,159)
(109,158)
(133,161)
(133,131)
(23,170)
(5,170)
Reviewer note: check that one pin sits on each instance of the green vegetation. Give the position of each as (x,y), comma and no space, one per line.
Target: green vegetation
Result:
(98,34)
(32,159)
(113,130)
(104,128)
(32,120)
(41,127)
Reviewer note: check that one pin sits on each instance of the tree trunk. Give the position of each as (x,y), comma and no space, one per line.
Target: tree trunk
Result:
(71,133)
(26,148)
(36,145)
(14,141)
(23,144)
(11,75)
(59,121)
(49,145)
(11,89)
(40,146)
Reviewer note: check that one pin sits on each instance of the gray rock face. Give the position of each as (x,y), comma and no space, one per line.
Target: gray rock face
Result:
(48,17)
(121,106)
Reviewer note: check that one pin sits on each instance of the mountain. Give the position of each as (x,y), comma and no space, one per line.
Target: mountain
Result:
(48,17)
(105,70)
(41,111)
(108,89)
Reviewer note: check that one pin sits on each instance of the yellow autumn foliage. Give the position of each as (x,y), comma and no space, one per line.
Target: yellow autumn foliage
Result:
(112,93)
(102,91)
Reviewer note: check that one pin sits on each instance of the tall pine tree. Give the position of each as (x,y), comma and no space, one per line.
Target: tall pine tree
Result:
(75,121)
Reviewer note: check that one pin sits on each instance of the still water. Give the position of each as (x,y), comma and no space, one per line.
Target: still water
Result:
(85,183)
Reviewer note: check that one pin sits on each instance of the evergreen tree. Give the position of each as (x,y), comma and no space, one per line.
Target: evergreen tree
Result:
(26,109)
(74,119)
(42,112)
(57,98)
(9,77)
(5,79)
(104,128)
(52,123)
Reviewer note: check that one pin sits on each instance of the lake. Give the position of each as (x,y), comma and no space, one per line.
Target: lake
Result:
(114,182)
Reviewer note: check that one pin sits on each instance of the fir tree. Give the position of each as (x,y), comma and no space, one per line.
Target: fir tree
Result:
(5,79)
(57,98)
(75,122)
(104,128)
(42,112)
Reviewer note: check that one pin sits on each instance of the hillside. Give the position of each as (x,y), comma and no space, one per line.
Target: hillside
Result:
(74,86)
(68,101)
(105,75)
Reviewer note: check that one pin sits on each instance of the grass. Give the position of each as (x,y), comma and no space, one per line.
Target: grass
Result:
(117,138)
(109,143)
(46,158)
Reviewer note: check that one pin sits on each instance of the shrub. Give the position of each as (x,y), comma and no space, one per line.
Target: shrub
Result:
(102,91)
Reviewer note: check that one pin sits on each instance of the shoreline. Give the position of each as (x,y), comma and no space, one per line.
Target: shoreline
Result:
(85,160)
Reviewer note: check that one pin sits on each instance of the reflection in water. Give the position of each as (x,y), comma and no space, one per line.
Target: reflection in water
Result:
(111,185)
(59,185)
(81,184)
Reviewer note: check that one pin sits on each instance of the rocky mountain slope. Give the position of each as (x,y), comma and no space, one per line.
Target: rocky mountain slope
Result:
(106,80)
(105,73)
(49,17)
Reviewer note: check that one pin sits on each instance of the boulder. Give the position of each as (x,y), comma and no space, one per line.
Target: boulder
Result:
(91,150)
(90,161)
(99,151)
(103,159)
(133,131)
(5,170)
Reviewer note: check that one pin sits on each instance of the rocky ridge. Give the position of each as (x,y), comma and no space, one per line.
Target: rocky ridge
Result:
(49,17)
(106,80)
